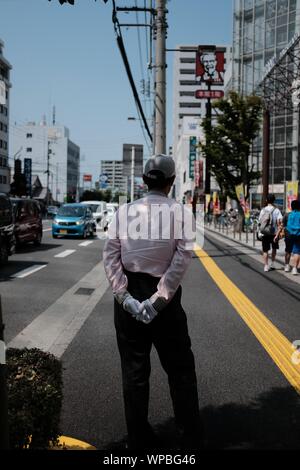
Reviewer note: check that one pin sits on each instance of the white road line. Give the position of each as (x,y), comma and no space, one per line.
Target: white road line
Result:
(47,229)
(28,271)
(65,253)
(54,329)
(85,243)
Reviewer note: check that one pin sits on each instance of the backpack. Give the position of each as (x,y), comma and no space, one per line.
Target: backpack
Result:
(293,225)
(266,223)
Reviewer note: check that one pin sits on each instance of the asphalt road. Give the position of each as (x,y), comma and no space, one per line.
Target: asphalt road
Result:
(246,400)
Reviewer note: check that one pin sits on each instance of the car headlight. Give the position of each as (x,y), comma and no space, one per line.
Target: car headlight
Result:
(80,222)
(55,221)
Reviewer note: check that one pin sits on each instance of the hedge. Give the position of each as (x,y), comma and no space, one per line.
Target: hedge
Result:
(34,383)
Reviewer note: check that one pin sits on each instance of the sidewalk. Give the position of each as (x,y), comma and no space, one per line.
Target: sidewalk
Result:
(248,239)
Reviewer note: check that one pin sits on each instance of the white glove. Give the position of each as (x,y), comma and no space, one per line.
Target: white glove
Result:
(148,312)
(133,306)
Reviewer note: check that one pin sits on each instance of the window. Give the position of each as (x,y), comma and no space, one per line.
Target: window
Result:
(188,82)
(248,36)
(278,157)
(282,7)
(278,175)
(187,93)
(28,136)
(270,33)
(282,35)
(270,8)
(29,149)
(187,71)
(190,105)
(187,60)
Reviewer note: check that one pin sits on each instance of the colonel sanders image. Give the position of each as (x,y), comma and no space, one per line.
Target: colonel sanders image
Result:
(210,66)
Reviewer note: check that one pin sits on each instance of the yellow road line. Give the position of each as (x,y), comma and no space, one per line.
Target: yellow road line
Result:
(275,343)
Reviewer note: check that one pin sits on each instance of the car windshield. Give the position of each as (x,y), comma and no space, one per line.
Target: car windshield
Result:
(94,207)
(71,211)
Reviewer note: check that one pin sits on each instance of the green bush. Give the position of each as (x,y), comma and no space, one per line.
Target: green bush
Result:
(34,385)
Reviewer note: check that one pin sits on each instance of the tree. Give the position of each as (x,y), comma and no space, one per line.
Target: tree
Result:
(228,143)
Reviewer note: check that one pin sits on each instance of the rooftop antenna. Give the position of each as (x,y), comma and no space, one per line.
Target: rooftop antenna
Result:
(53,116)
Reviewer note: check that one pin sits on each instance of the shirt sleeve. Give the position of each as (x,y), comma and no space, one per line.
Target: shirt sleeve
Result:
(112,259)
(172,277)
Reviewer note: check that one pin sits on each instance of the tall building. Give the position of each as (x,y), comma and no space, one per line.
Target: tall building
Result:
(5,85)
(188,111)
(261,30)
(113,170)
(40,142)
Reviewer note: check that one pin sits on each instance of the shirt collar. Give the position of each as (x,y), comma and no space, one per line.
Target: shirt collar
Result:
(156,192)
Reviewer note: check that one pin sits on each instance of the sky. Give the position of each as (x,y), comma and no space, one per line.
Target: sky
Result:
(67,56)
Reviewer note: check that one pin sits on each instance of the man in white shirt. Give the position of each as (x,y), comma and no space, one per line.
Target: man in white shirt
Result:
(145,273)
(268,240)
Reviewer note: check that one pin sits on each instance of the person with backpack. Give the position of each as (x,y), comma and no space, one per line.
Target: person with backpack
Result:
(293,229)
(269,221)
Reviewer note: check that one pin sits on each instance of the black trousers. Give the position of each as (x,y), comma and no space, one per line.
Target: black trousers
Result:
(169,334)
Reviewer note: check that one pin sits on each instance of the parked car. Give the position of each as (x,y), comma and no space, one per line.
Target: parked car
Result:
(97,208)
(28,221)
(7,234)
(73,219)
(52,211)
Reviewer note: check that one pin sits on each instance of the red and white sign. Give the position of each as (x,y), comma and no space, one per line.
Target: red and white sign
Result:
(87,177)
(198,172)
(210,64)
(205,94)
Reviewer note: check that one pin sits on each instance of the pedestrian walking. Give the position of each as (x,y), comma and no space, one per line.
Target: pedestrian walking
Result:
(293,229)
(145,275)
(269,221)
(288,242)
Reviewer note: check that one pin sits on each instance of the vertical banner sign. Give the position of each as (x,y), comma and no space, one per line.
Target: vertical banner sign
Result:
(198,166)
(196,173)
(216,203)
(292,188)
(27,174)
(193,153)
(241,197)
(207,202)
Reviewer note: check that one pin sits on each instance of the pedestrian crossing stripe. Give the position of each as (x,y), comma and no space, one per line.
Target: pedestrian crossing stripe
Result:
(280,349)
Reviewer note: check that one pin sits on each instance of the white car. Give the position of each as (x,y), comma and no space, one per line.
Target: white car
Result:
(98,208)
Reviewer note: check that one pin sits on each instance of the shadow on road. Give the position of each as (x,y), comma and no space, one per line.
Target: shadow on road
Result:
(8,272)
(30,248)
(270,422)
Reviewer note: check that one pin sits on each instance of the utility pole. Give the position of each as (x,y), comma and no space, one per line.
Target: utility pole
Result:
(207,162)
(4,441)
(132,174)
(266,156)
(160,85)
(48,165)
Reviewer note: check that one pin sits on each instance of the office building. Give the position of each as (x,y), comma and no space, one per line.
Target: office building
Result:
(262,29)
(5,86)
(111,176)
(50,147)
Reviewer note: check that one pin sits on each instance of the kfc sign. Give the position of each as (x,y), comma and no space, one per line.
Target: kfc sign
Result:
(210,64)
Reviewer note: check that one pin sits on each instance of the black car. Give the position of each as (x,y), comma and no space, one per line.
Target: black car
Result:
(7,236)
